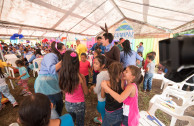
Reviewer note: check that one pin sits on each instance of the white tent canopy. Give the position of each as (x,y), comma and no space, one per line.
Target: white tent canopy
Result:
(52,18)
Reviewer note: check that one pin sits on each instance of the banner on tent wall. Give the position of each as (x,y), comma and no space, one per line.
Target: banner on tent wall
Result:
(90,42)
(125,31)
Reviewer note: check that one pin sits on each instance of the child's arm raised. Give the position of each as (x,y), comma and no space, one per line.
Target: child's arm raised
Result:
(119,97)
(12,67)
(9,77)
(83,83)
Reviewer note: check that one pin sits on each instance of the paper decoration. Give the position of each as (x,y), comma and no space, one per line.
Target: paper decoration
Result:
(45,40)
(63,38)
(14,36)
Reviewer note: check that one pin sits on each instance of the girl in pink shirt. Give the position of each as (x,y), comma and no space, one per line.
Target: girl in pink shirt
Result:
(74,85)
(129,97)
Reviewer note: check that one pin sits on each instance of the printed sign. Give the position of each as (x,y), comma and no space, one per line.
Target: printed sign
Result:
(124,31)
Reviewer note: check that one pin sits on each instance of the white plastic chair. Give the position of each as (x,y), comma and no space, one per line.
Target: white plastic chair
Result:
(178,93)
(12,62)
(158,76)
(171,109)
(28,57)
(10,56)
(179,85)
(142,72)
(173,91)
(18,51)
(144,121)
(38,61)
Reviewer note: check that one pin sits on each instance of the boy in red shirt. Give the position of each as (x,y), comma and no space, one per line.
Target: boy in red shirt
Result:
(84,67)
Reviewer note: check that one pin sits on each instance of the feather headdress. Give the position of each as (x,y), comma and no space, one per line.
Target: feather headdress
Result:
(105,29)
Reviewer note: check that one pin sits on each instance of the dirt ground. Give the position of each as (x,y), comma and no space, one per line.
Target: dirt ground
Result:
(9,114)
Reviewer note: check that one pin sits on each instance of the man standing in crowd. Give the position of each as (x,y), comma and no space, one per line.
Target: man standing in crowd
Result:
(98,46)
(121,40)
(140,48)
(81,48)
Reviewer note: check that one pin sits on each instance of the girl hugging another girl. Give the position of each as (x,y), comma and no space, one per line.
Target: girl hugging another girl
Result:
(132,76)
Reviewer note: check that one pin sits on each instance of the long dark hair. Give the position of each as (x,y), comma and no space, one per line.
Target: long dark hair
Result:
(69,72)
(26,50)
(126,47)
(35,110)
(115,70)
(101,59)
(38,51)
(135,71)
(54,50)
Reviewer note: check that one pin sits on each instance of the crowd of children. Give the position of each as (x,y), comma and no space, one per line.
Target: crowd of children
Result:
(115,84)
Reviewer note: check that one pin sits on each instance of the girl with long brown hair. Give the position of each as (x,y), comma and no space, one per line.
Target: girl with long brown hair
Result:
(129,97)
(114,112)
(74,86)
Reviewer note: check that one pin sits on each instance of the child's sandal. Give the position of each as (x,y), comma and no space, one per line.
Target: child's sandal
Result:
(96,120)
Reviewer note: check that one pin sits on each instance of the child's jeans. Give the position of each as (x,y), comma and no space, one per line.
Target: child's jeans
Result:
(24,84)
(113,118)
(5,91)
(57,100)
(147,81)
(94,77)
(125,121)
(77,111)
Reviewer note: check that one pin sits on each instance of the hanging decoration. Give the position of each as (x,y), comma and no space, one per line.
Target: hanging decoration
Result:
(14,36)
(63,38)
(45,40)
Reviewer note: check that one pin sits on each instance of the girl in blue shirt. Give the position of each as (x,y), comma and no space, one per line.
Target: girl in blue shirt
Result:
(23,78)
(47,81)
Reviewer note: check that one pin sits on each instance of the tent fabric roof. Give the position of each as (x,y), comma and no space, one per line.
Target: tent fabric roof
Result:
(52,18)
